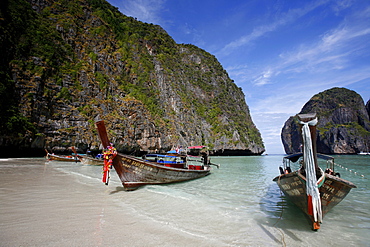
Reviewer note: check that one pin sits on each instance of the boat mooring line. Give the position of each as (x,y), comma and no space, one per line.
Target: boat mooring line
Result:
(350,170)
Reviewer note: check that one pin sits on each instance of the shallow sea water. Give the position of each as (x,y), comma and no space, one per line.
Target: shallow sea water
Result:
(237,205)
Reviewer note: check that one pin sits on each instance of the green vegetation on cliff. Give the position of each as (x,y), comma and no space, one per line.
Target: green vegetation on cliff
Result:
(65,63)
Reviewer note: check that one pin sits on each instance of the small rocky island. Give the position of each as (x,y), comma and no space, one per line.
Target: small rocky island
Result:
(343,123)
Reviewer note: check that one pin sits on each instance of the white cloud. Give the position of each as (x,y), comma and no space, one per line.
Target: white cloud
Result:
(270,125)
(325,59)
(335,49)
(144,10)
(342,4)
(263,79)
(290,17)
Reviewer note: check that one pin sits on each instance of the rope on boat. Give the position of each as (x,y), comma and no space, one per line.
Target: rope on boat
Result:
(350,170)
(313,194)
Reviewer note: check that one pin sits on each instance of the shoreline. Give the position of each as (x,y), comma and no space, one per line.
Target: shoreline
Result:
(66,204)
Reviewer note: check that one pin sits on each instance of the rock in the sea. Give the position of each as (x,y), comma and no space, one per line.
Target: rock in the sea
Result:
(343,123)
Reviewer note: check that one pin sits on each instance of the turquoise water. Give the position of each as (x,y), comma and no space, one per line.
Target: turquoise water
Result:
(239,204)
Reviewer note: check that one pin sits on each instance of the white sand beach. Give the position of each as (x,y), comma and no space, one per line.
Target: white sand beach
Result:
(40,206)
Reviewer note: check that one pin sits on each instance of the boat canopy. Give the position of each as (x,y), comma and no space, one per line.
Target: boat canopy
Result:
(294,157)
(197,147)
(325,157)
(160,156)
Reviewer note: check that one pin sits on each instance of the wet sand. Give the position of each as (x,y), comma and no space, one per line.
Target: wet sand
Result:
(41,206)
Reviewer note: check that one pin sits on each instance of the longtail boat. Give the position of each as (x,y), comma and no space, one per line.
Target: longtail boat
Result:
(55,157)
(135,172)
(88,160)
(310,188)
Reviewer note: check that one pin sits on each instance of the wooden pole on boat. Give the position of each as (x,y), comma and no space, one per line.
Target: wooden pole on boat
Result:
(117,162)
(75,152)
(102,133)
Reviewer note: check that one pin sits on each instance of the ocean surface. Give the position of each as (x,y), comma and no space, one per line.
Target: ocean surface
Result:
(237,205)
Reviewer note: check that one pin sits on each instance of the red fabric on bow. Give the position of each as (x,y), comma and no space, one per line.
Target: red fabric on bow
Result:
(109,155)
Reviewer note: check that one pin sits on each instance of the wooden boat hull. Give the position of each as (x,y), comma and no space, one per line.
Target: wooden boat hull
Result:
(134,172)
(61,158)
(332,191)
(314,191)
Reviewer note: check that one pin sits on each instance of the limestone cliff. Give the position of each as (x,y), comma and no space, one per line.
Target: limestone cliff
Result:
(66,64)
(343,126)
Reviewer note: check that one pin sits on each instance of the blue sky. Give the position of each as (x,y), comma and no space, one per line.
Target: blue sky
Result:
(279,52)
